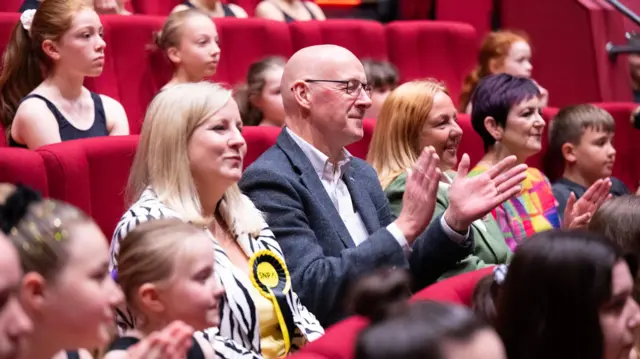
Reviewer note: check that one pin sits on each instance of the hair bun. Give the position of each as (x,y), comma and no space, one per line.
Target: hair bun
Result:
(381,294)
(16,206)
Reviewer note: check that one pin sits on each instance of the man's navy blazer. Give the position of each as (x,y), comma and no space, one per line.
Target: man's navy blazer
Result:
(321,255)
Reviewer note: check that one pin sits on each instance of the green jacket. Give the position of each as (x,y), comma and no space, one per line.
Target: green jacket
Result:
(490,247)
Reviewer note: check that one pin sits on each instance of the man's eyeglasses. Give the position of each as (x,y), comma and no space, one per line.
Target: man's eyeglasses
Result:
(351,87)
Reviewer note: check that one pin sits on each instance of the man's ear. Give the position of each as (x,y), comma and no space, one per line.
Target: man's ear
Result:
(569,152)
(496,131)
(32,292)
(149,298)
(50,49)
(302,94)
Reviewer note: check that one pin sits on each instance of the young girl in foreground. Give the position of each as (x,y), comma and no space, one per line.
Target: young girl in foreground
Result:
(165,268)
(66,289)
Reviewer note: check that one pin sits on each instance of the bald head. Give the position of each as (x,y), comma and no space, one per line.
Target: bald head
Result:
(314,62)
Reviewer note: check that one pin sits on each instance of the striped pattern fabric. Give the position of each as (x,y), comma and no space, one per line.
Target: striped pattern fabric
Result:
(239,334)
(533,210)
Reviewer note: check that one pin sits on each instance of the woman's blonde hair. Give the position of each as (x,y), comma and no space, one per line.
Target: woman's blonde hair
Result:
(495,47)
(148,254)
(395,145)
(162,159)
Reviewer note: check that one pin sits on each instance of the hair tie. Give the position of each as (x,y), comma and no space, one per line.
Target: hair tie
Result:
(500,273)
(16,206)
(27,19)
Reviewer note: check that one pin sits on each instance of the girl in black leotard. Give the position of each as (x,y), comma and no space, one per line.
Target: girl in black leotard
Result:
(37,110)
(213,8)
(165,268)
(190,40)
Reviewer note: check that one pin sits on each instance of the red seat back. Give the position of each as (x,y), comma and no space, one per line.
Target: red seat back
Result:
(259,139)
(18,165)
(154,7)
(363,38)
(443,50)
(471,142)
(92,175)
(10,5)
(457,290)
(477,13)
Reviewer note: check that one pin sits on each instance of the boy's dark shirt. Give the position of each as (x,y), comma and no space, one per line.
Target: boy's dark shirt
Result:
(563,187)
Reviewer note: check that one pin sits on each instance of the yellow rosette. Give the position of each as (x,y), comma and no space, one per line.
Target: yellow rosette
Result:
(269,275)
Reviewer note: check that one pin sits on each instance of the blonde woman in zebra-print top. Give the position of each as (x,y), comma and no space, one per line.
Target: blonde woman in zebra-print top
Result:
(187,166)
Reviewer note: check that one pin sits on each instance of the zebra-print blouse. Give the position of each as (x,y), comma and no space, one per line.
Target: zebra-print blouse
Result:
(239,324)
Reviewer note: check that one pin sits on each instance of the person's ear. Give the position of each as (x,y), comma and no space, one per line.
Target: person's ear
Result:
(174,55)
(51,49)
(569,152)
(302,94)
(149,298)
(495,130)
(32,292)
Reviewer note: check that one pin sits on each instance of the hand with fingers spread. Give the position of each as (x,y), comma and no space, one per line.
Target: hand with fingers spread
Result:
(472,198)
(578,213)
(170,343)
(419,199)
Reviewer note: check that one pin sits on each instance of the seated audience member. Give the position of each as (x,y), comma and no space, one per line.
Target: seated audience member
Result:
(212,8)
(500,52)
(383,78)
(568,295)
(66,288)
(327,209)
(117,7)
(259,99)
(165,268)
(195,130)
(15,325)
(425,330)
(189,38)
(419,114)
(506,115)
(487,293)
(63,38)
(289,10)
(581,142)
(619,220)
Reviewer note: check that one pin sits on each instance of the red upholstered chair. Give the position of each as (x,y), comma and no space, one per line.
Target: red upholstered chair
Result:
(244,41)
(471,142)
(91,174)
(415,9)
(259,139)
(140,72)
(154,7)
(439,49)
(10,5)
(8,22)
(361,148)
(476,13)
(457,290)
(362,37)
(18,165)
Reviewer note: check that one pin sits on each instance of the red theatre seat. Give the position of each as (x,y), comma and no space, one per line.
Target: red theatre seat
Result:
(471,142)
(439,49)
(140,71)
(10,5)
(360,149)
(477,13)
(576,51)
(415,9)
(244,41)
(92,175)
(154,7)
(363,38)
(456,290)
(18,165)
(259,139)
